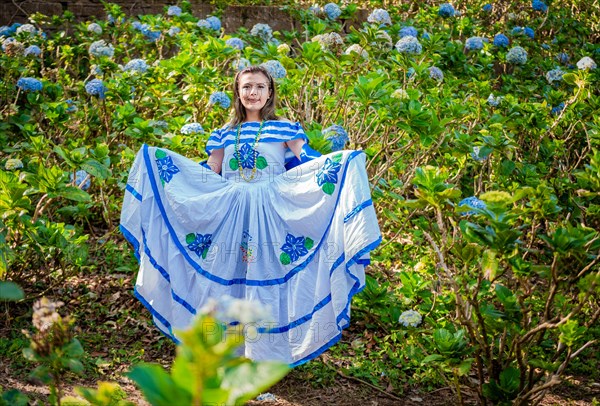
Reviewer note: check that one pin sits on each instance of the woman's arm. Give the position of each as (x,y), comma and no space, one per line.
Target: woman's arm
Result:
(296,146)
(215,160)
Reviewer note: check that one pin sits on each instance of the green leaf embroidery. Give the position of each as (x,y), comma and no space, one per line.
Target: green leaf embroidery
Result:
(308,243)
(261,162)
(190,238)
(233,164)
(285,258)
(337,157)
(328,188)
(160,154)
(204,252)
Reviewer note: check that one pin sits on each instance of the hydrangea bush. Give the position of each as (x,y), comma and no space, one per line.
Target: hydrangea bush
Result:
(484,165)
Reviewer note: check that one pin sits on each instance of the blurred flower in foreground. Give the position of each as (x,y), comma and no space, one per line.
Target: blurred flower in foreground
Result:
(337,136)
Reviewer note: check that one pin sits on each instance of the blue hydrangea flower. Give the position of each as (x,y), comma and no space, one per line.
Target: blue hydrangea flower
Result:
(517,30)
(408,31)
(136,66)
(101,48)
(446,10)
(332,11)
(409,45)
(501,40)
(28,29)
(315,9)
(215,23)
(546,46)
(436,73)
(235,43)
(516,55)
(201,244)
(151,35)
(221,99)
(472,202)
(204,24)
(240,64)
(556,110)
(32,50)
(487,8)
(586,63)
(80,176)
(174,30)
(328,172)
(138,25)
(266,397)
(410,318)
(246,156)
(337,136)
(174,11)
(555,75)
(410,72)
(94,28)
(563,57)
(263,31)
(539,5)
(494,101)
(529,32)
(13,164)
(476,154)
(474,43)
(380,16)
(95,87)
(192,128)
(275,68)
(425,35)
(6,31)
(29,84)
(294,247)
(166,168)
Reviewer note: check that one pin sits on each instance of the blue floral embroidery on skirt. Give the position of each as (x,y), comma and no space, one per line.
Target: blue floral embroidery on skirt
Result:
(294,248)
(199,243)
(327,176)
(166,167)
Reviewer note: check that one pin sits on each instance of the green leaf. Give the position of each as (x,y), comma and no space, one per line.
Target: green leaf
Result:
(432,358)
(14,398)
(569,78)
(509,380)
(75,365)
(337,158)
(261,162)
(74,193)
(465,367)
(73,349)
(160,154)
(308,243)
(233,164)
(489,264)
(190,238)
(96,169)
(285,258)
(158,387)
(255,376)
(328,188)
(10,291)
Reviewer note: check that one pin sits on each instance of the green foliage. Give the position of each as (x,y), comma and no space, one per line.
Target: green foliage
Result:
(508,292)
(206,369)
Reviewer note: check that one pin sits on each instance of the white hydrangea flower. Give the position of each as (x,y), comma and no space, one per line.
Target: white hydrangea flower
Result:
(356,48)
(586,63)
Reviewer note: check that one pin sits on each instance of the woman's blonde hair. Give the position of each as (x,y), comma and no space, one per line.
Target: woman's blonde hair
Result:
(238,114)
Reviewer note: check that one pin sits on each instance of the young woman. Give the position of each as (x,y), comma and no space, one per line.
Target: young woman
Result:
(296,240)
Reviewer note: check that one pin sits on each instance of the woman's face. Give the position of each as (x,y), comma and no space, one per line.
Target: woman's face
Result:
(254,91)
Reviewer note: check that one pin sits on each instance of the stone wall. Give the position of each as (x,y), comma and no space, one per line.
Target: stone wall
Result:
(233,17)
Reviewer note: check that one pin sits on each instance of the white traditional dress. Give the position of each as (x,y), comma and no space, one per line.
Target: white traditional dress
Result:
(295,240)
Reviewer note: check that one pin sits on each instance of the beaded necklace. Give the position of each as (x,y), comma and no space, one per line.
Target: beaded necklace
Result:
(237,151)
